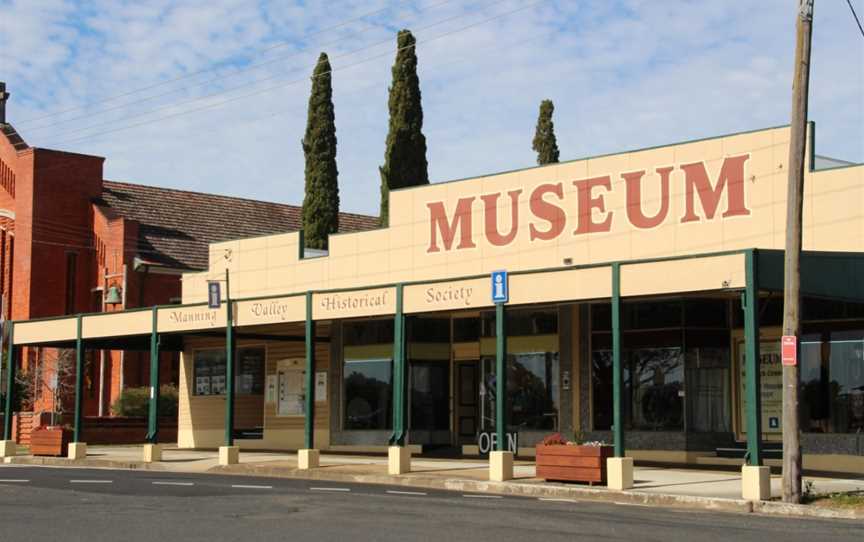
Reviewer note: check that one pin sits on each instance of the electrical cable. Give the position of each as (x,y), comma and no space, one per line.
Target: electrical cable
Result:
(215,66)
(293,82)
(248,84)
(234,73)
(855,16)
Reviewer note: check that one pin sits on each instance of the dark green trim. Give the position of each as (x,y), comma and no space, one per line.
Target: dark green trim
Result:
(79,382)
(753,402)
(229,363)
(399,376)
(617,368)
(153,407)
(597,156)
(301,245)
(811,130)
(501,377)
(10,384)
(309,424)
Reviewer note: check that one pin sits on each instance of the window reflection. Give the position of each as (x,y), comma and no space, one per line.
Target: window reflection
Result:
(832,382)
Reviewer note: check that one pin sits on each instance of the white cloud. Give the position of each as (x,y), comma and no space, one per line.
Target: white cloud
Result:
(623,75)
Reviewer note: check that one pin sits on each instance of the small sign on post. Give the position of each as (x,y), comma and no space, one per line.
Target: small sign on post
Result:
(500,289)
(214,294)
(789,350)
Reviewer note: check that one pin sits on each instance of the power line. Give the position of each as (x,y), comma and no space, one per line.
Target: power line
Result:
(234,73)
(293,82)
(855,16)
(215,65)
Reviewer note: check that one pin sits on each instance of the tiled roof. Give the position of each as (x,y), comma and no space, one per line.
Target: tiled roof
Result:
(176,226)
(14,138)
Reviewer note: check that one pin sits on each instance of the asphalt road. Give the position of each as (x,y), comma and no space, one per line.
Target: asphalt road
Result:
(61,504)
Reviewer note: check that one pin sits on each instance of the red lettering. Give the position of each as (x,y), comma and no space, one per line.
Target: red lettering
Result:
(731,177)
(461,221)
(490,202)
(587,204)
(634,199)
(544,210)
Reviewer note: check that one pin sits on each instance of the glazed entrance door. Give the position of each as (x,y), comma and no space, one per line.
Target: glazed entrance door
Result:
(467,401)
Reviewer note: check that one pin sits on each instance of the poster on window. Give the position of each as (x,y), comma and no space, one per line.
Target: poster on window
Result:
(771,374)
(217,385)
(202,385)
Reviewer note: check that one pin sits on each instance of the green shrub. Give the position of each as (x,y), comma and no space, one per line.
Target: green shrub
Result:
(134,402)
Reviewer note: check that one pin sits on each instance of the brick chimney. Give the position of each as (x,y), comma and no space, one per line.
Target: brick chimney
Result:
(3,97)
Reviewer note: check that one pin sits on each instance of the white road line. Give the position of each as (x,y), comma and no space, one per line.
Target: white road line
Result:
(243,486)
(329,489)
(483,496)
(173,483)
(14,481)
(406,492)
(633,504)
(91,481)
(546,499)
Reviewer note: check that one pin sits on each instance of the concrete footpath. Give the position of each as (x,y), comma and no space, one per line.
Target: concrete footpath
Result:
(653,486)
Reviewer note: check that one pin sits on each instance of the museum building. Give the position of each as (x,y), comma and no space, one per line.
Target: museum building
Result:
(664,262)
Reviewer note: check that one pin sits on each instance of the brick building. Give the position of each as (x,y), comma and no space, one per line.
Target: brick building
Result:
(72,242)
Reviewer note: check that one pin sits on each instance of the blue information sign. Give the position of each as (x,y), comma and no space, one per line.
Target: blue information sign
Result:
(500,290)
(214,295)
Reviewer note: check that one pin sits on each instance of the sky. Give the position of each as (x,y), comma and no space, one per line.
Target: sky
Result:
(211,95)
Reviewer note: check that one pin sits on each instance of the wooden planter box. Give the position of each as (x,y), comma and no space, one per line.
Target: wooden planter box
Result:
(566,463)
(50,441)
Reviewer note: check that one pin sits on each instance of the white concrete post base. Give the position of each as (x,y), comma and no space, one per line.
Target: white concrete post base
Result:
(398,460)
(229,455)
(308,459)
(152,453)
(619,473)
(77,450)
(8,448)
(500,466)
(755,483)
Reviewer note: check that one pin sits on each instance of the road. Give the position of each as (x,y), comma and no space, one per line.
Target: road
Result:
(43,504)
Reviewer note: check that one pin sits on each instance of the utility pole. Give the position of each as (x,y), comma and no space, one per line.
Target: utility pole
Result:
(792,282)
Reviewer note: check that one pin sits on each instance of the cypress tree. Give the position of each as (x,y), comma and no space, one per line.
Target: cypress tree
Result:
(405,157)
(544,138)
(321,202)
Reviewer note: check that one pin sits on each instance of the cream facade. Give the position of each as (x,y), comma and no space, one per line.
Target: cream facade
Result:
(670,231)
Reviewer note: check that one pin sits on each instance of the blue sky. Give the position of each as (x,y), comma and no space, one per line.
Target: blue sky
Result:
(211,95)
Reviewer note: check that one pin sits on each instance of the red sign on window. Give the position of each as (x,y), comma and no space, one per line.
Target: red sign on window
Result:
(789,350)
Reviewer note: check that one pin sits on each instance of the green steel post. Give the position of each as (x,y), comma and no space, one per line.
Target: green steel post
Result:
(10,384)
(398,437)
(153,408)
(229,364)
(500,377)
(310,375)
(751,348)
(79,381)
(617,369)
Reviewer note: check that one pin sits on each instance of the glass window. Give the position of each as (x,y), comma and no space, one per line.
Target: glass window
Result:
(210,366)
(654,382)
(429,330)
(524,322)
(430,395)
(532,391)
(832,381)
(466,329)
(366,332)
(368,389)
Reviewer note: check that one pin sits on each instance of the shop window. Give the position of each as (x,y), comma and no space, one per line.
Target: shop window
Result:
(210,371)
(525,322)
(654,383)
(466,329)
(532,392)
(429,330)
(367,387)
(430,395)
(706,313)
(368,391)
(832,382)
(708,378)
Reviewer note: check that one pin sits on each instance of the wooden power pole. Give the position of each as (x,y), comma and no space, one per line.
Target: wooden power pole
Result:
(792,290)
